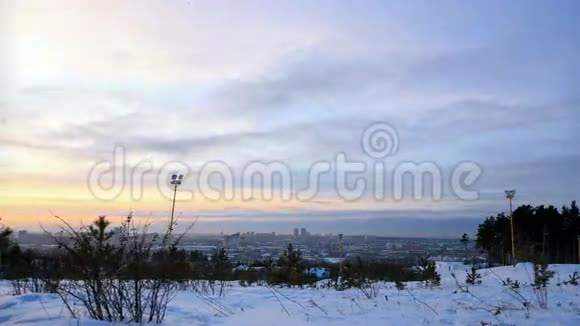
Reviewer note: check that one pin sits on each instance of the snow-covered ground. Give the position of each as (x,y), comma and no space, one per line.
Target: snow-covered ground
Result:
(283,306)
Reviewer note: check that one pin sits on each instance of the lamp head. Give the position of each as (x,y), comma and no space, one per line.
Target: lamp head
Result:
(176,179)
(510,193)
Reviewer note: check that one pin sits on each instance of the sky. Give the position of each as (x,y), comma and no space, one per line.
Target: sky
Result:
(493,83)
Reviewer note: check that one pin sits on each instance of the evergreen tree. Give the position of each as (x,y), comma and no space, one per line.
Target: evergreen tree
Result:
(5,243)
(540,233)
(221,264)
(290,262)
(428,270)
(473,277)
(464,240)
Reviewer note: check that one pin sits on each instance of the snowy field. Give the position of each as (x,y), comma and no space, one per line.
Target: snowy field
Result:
(282,306)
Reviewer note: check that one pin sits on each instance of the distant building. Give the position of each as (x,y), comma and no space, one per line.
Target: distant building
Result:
(232,241)
(393,245)
(304,233)
(296,233)
(22,234)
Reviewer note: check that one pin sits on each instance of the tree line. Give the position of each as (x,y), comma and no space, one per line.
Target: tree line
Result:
(541,234)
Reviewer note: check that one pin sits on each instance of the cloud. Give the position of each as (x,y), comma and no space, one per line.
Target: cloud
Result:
(496,85)
(310,78)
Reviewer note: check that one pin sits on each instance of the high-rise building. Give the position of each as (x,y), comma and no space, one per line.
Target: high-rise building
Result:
(304,233)
(296,233)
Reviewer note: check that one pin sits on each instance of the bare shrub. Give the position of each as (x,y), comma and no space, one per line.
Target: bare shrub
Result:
(357,275)
(124,275)
(220,272)
(370,289)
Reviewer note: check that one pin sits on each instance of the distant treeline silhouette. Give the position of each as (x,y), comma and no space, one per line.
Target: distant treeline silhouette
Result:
(541,233)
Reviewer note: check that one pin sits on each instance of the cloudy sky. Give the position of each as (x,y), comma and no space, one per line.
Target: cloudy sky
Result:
(496,83)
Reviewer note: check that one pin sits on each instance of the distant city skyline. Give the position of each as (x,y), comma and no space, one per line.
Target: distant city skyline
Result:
(398,227)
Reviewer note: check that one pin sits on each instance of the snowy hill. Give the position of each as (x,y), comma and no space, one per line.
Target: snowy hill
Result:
(490,303)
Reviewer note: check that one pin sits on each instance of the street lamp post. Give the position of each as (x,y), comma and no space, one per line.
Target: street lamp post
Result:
(509,194)
(341,250)
(175,181)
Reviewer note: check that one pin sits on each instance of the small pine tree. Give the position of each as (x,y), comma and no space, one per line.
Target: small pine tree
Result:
(429,273)
(465,240)
(573,279)
(221,264)
(511,283)
(5,242)
(542,278)
(473,277)
(400,285)
(542,275)
(291,261)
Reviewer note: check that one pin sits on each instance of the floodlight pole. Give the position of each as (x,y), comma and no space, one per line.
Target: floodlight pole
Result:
(173,207)
(175,181)
(512,231)
(341,253)
(510,195)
